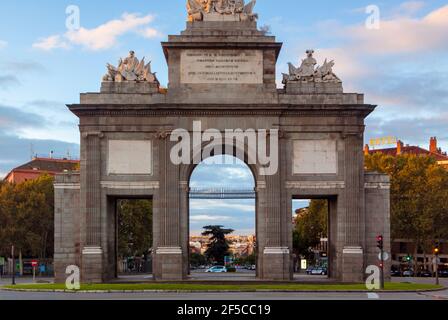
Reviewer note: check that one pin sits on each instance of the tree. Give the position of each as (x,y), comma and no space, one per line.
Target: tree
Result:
(419,198)
(218,246)
(134,227)
(197,259)
(311,226)
(27,209)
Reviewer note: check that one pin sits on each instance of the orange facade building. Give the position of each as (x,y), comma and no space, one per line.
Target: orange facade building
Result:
(40,166)
(434,151)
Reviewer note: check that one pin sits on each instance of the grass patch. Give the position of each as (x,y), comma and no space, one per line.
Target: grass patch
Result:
(230,287)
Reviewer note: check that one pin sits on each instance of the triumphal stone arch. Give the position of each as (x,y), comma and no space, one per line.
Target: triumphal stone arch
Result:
(304,140)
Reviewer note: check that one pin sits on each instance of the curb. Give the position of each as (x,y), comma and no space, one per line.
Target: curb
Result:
(220,291)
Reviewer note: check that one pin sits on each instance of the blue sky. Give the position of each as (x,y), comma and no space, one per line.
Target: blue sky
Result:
(402,66)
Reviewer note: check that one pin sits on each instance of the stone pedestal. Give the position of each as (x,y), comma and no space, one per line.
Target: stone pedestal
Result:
(353,265)
(221,17)
(129,87)
(92,265)
(168,264)
(276,263)
(313,87)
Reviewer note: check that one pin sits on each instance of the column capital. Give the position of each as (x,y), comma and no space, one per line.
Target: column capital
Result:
(87,134)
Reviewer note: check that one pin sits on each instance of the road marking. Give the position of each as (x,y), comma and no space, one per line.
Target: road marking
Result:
(372,295)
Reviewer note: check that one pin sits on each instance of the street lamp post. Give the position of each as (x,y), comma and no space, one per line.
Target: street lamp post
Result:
(436,262)
(380,245)
(13,266)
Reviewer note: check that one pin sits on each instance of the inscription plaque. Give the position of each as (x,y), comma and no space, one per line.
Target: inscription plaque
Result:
(222,66)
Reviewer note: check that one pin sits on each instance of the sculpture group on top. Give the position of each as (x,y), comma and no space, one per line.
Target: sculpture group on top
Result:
(197,9)
(130,69)
(308,72)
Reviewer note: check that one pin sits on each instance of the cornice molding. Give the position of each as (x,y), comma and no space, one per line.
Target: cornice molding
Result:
(163,110)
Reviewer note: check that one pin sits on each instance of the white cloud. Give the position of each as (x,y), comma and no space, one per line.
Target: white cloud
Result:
(3,44)
(409,8)
(201,205)
(150,33)
(51,43)
(403,35)
(102,37)
(209,218)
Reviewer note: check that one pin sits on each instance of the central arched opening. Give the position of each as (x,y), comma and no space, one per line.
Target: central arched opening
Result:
(222,220)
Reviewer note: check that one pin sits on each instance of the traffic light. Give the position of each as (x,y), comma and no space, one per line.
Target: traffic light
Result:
(380,242)
(408,258)
(436,251)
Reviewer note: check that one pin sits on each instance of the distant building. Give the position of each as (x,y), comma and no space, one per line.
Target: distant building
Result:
(434,151)
(40,166)
(239,245)
(403,248)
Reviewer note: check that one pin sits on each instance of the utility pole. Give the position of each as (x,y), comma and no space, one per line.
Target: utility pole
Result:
(380,245)
(13,266)
(436,263)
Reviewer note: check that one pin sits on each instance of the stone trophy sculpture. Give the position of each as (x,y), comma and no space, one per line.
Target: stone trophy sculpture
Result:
(131,76)
(130,69)
(307,73)
(307,79)
(234,10)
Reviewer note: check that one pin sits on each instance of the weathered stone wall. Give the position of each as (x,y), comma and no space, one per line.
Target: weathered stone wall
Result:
(66,224)
(377,190)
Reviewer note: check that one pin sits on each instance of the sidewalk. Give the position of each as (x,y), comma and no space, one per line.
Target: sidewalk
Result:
(6,280)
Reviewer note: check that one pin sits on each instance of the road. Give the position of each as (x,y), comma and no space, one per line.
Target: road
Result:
(437,295)
(9,295)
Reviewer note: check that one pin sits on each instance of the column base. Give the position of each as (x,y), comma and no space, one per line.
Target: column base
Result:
(353,265)
(276,264)
(168,264)
(92,265)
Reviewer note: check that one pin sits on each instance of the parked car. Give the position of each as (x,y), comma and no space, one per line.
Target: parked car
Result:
(408,273)
(424,274)
(443,273)
(27,268)
(319,271)
(395,273)
(231,269)
(217,269)
(309,270)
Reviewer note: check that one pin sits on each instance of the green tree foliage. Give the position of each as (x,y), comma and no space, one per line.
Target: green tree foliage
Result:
(197,259)
(419,197)
(218,246)
(27,217)
(134,227)
(311,226)
(246,260)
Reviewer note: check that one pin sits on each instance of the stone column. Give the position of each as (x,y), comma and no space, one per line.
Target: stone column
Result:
(168,254)
(276,253)
(353,253)
(184,225)
(92,253)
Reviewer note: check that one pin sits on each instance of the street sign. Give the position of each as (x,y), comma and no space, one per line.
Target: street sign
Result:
(435,260)
(385,256)
(303,264)
(34,263)
(2,261)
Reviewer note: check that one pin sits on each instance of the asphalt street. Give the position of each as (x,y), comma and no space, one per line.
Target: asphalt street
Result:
(11,295)
(435,295)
